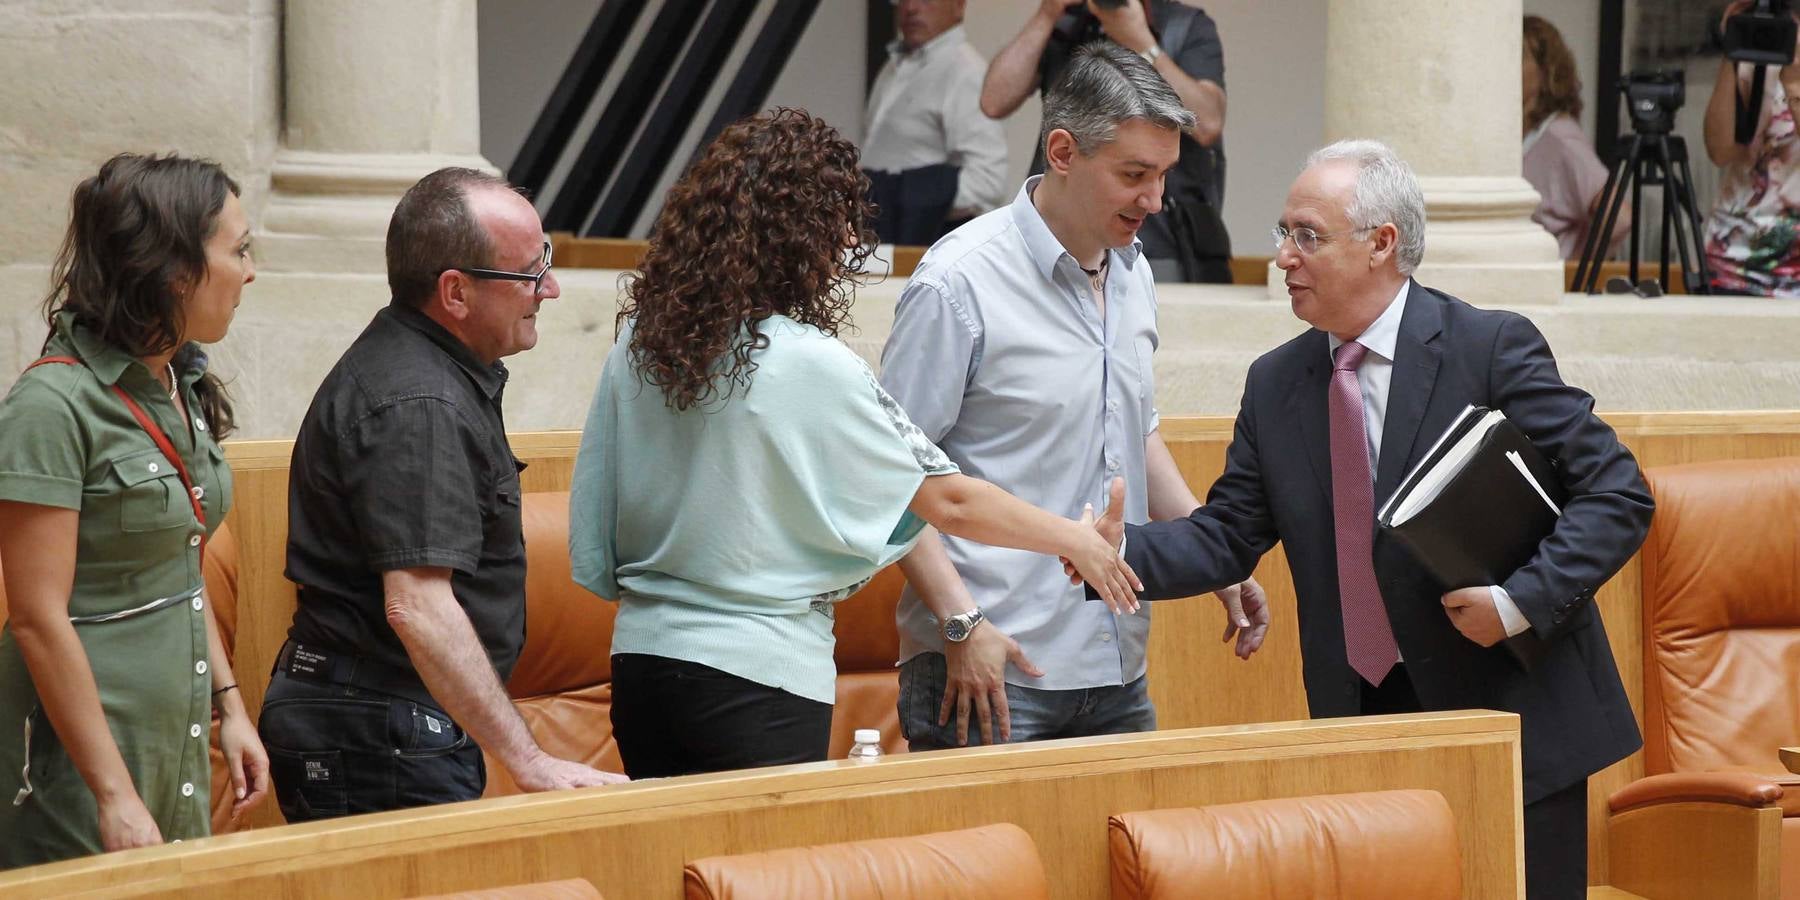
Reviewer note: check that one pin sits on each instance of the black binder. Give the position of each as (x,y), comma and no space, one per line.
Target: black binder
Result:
(1499,498)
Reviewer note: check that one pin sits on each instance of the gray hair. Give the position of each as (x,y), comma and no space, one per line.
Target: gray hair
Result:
(1386,191)
(1104,85)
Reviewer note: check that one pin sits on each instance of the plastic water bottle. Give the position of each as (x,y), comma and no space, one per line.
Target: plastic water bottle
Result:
(867,748)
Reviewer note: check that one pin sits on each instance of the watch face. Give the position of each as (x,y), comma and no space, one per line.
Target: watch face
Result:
(955,630)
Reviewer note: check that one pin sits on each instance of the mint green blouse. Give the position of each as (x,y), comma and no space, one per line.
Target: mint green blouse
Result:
(727,532)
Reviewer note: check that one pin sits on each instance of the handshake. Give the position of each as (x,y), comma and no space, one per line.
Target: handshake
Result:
(1246,608)
(1110,561)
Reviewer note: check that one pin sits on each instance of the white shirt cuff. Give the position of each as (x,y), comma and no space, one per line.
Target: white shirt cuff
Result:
(1510,617)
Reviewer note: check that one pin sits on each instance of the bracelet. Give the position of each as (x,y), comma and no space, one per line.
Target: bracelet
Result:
(229,687)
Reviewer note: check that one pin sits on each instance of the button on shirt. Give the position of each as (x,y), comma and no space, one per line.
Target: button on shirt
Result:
(402,462)
(925,110)
(999,354)
(1374,376)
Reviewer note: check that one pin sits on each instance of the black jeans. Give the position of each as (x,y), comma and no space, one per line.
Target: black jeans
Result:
(337,750)
(673,717)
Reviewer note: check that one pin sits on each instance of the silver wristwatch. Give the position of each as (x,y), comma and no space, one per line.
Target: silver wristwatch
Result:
(1152,53)
(957,627)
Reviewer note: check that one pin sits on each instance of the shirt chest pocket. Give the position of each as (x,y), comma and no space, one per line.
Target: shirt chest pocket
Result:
(151,496)
(219,502)
(1144,350)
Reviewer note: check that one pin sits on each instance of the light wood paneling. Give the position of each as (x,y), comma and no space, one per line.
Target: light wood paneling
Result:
(632,841)
(571,252)
(1194,679)
(1713,850)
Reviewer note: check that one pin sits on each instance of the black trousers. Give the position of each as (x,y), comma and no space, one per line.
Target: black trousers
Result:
(674,717)
(336,750)
(1555,826)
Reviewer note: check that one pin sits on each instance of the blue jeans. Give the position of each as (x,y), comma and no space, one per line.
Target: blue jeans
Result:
(1037,715)
(337,750)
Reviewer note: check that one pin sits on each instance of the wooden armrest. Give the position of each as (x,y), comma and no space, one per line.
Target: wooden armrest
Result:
(1735,788)
(1790,757)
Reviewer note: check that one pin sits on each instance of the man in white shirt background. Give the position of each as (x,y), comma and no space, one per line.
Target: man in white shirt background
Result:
(933,159)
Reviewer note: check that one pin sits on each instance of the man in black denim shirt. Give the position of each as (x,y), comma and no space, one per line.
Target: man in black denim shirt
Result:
(404,531)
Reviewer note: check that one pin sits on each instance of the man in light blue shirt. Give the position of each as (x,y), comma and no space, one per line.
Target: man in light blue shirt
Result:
(1022,346)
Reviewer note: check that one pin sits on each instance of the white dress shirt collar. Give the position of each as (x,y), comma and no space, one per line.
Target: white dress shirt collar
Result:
(1042,243)
(1382,334)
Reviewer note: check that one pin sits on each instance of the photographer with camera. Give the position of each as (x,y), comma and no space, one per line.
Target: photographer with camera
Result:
(1750,235)
(1187,241)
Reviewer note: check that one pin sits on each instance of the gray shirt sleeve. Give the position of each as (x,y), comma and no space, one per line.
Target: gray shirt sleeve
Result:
(928,358)
(1201,53)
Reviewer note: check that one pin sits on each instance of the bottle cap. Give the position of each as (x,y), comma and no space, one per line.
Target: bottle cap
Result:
(868,736)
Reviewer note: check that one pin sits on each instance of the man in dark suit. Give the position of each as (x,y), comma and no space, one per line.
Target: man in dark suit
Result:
(1329,424)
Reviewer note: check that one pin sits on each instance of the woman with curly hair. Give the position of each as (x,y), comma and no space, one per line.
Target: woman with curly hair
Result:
(111,479)
(1559,160)
(742,471)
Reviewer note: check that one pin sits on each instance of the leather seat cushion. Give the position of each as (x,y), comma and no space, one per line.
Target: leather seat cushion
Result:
(1367,845)
(993,861)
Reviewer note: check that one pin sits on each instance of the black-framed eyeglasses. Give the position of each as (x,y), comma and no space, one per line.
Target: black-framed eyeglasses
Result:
(1306,240)
(537,279)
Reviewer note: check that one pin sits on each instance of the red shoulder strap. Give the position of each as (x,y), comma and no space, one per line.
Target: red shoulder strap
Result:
(156,435)
(65,360)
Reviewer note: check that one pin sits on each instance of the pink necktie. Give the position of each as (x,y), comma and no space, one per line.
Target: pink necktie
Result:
(1368,640)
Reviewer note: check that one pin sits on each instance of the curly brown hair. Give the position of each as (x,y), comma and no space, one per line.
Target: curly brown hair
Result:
(774,219)
(1559,90)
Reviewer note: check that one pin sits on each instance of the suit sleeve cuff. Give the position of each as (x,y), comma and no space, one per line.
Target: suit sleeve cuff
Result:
(1510,616)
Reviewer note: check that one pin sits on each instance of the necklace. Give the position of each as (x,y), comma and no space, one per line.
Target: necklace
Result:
(174,388)
(1096,275)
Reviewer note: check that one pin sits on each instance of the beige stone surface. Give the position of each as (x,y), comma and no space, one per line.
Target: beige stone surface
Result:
(1632,354)
(81,81)
(382,77)
(377,95)
(1439,83)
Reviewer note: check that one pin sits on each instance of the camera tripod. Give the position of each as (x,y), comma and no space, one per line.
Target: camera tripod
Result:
(1660,160)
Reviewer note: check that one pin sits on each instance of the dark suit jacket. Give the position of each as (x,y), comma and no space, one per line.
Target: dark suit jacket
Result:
(1277,487)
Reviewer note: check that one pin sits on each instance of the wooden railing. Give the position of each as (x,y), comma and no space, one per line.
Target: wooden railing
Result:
(632,841)
(1194,680)
(621,253)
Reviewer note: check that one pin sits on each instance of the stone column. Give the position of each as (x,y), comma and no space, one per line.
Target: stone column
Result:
(377,95)
(1439,82)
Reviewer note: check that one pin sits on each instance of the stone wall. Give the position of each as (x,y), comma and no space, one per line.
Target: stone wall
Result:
(1632,354)
(81,81)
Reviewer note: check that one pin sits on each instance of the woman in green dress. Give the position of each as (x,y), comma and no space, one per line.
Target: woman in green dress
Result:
(111,479)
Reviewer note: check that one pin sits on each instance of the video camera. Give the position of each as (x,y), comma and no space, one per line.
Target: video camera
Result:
(1763,35)
(1079,26)
(1652,99)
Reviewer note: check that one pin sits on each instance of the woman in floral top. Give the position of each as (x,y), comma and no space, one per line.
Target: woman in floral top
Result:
(1751,235)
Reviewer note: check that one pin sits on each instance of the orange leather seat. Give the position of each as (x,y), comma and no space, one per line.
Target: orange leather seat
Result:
(1376,845)
(220,571)
(562,683)
(993,861)
(868,683)
(571,889)
(1721,601)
